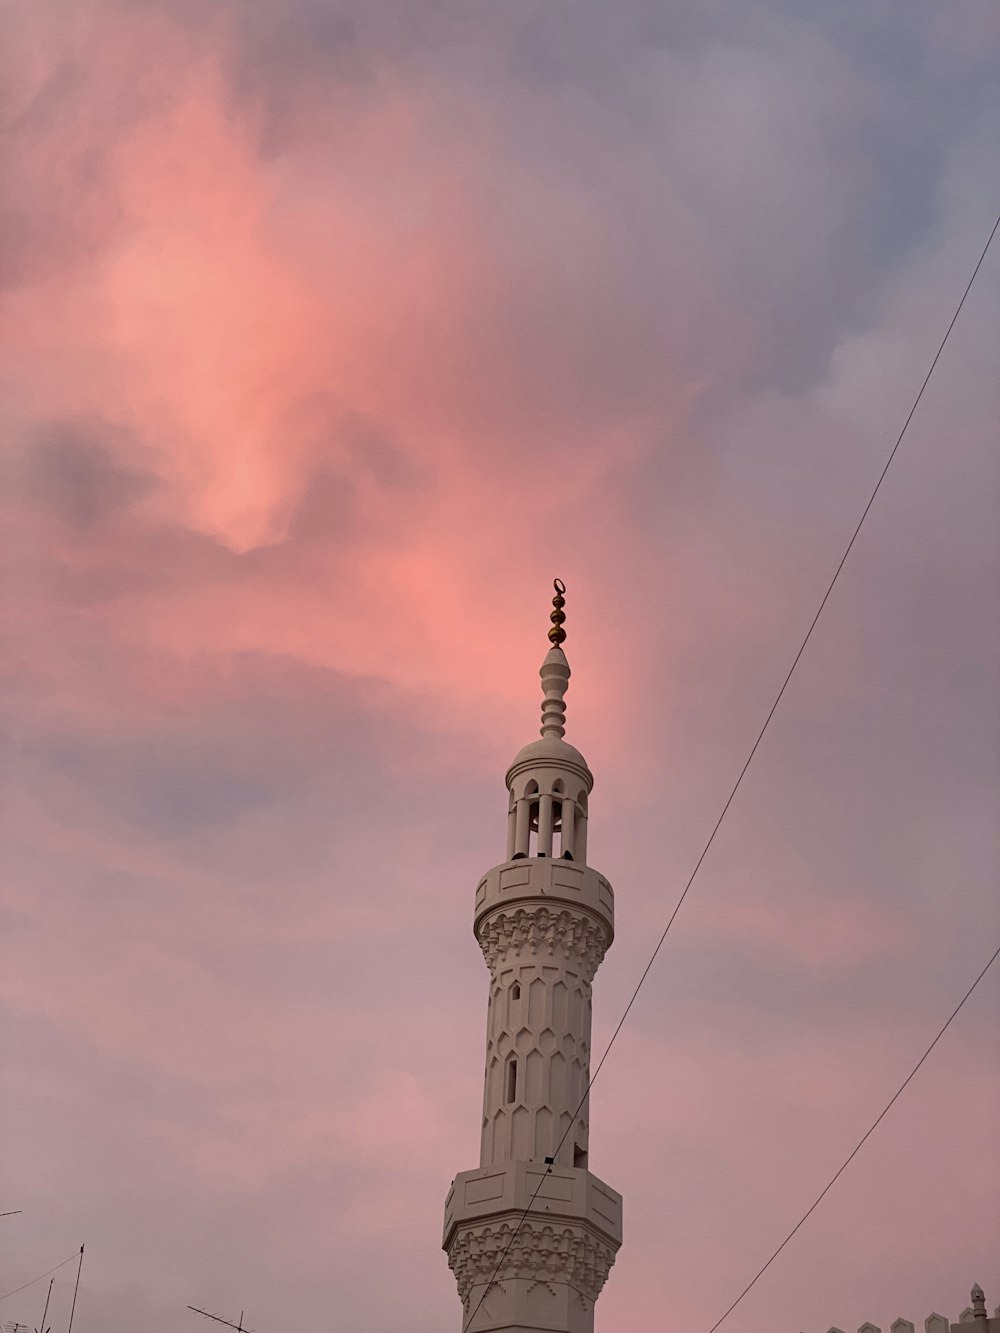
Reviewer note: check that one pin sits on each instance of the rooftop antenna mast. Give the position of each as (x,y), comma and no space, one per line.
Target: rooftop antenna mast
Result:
(76,1290)
(219,1320)
(48,1296)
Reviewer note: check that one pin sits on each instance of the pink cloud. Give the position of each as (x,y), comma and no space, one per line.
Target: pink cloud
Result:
(306,407)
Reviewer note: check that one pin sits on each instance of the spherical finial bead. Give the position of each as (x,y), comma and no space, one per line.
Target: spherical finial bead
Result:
(557,635)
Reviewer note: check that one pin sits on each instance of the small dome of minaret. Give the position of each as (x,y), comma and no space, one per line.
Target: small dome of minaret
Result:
(549,780)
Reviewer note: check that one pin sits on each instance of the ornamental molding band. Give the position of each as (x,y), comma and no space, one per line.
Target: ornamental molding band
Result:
(556,1252)
(578,936)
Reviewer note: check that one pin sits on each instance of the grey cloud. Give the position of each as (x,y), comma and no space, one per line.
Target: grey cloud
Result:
(350,454)
(637,170)
(848,123)
(72,471)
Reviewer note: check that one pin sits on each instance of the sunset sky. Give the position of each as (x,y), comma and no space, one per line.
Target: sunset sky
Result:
(333,332)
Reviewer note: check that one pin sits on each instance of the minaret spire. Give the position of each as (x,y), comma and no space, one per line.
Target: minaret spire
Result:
(555,671)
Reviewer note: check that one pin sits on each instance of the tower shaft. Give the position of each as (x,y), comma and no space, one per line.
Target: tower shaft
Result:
(543,927)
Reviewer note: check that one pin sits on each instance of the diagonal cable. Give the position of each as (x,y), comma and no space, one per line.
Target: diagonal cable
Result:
(858,1146)
(749,759)
(38,1278)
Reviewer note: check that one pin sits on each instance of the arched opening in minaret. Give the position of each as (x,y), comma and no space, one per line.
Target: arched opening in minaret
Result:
(510,1086)
(515,991)
(534,811)
(579,1156)
(525,831)
(580,828)
(562,822)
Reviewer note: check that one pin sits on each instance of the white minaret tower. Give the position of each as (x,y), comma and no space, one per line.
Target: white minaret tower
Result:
(543,919)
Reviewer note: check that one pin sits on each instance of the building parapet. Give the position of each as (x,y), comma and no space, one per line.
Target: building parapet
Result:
(973,1319)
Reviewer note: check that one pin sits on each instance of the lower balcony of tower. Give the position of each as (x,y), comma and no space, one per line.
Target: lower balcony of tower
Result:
(537,1268)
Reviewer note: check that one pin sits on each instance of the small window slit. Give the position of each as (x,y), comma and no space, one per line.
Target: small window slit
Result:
(511,1090)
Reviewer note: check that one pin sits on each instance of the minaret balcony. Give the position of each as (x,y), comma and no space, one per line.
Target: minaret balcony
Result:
(569,1229)
(541,881)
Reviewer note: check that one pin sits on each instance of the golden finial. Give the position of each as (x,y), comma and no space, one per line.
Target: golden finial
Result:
(557,635)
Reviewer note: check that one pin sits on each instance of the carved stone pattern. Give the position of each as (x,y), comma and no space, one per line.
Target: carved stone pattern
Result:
(547,1252)
(540,929)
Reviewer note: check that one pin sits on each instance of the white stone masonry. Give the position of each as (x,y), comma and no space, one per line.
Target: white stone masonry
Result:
(544,920)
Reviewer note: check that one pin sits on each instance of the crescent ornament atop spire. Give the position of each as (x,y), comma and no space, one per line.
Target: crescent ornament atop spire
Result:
(557,635)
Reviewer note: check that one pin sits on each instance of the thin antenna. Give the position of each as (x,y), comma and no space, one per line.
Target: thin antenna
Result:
(13,1214)
(79,1270)
(48,1297)
(219,1320)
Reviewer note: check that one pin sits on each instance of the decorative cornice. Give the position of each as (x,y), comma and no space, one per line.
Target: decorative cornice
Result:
(577,934)
(541,1252)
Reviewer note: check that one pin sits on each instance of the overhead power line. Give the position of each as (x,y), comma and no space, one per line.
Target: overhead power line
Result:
(857,1148)
(38,1278)
(735,788)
